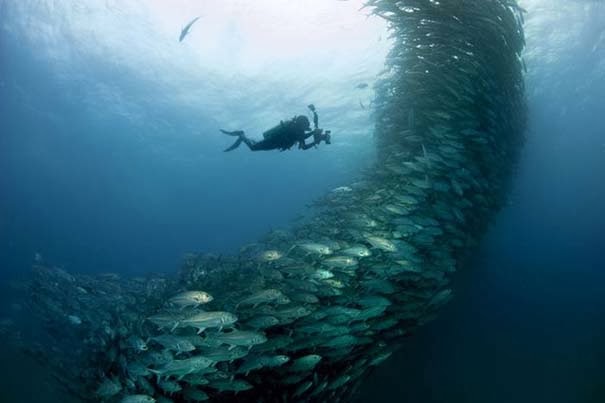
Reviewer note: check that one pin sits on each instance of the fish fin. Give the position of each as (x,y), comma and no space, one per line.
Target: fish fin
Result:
(157,373)
(176,324)
(200,330)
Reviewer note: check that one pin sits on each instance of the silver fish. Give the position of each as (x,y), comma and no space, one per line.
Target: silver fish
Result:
(185,31)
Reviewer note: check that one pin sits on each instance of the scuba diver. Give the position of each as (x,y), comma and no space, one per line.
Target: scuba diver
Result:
(285,135)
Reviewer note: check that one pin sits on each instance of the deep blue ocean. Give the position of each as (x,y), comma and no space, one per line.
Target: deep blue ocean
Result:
(111,161)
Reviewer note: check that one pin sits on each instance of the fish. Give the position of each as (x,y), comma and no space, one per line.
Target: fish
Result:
(339,382)
(190,298)
(108,388)
(334,283)
(302,388)
(361,86)
(340,262)
(263,361)
(342,189)
(322,329)
(305,363)
(314,248)
(264,297)
(321,274)
(288,315)
(180,368)
(219,354)
(195,395)
(381,243)
(371,312)
(341,341)
(137,344)
(270,256)
(373,301)
(144,386)
(203,320)
(358,251)
(166,320)
(362,220)
(185,31)
(380,358)
(341,310)
(74,320)
(236,385)
(136,369)
(174,343)
(240,338)
(441,297)
(137,399)
(169,386)
(304,297)
(196,379)
(262,322)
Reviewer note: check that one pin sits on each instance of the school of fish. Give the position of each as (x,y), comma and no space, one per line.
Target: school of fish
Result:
(307,312)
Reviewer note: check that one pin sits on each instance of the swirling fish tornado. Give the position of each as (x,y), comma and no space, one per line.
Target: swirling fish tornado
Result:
(305,314)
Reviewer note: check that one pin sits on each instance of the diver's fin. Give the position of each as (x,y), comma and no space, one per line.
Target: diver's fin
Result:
(235,145)
(233,133)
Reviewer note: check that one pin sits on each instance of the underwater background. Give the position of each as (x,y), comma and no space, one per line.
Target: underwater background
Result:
(111,161)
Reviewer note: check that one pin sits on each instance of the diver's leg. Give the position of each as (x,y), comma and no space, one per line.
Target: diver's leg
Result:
(252,145)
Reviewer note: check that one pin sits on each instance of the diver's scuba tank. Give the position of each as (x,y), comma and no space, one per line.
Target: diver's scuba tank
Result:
(277,129)
(293,125)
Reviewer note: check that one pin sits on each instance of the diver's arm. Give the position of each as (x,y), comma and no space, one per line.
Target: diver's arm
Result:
(315,120)
(315,117)
(303,146)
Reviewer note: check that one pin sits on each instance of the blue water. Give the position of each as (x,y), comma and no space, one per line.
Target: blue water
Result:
(101,170)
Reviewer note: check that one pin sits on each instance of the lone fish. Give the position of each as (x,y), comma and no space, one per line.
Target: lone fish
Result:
(187,29)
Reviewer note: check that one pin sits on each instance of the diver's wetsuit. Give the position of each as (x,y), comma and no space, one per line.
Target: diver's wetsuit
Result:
(285,135)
